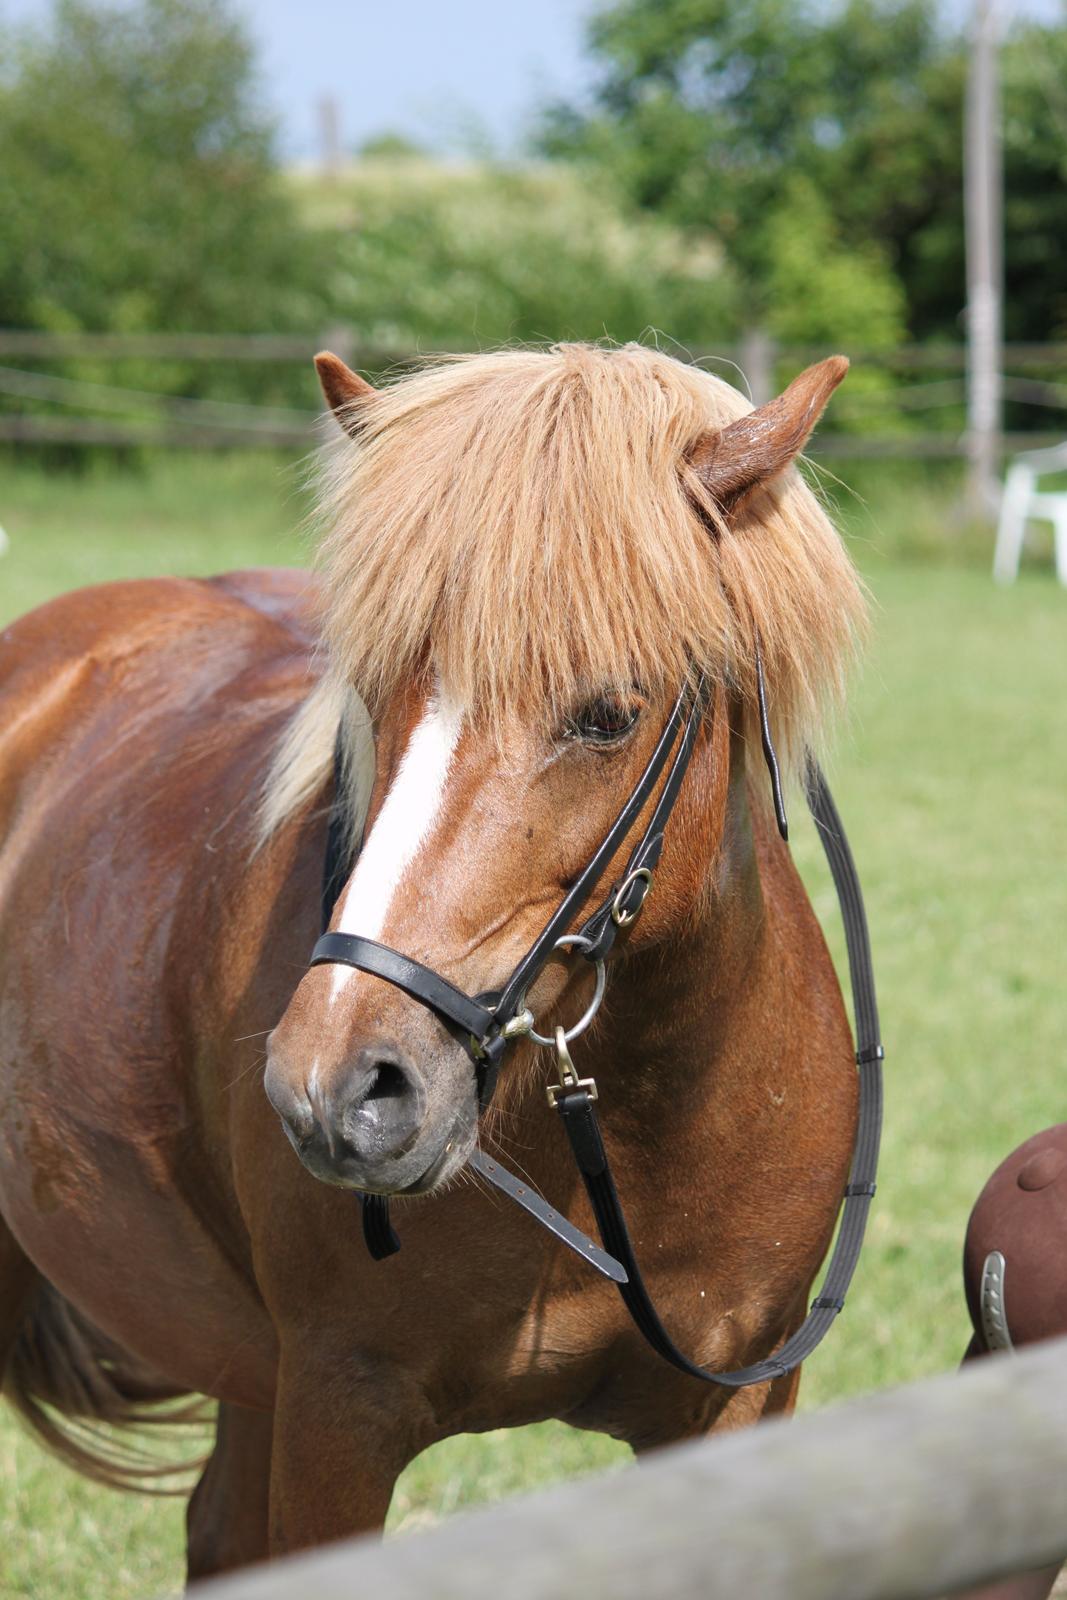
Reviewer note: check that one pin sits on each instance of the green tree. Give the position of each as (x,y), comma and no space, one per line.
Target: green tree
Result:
(710,113)
(137,185)
(708,110)
(1035,181)
(434,255)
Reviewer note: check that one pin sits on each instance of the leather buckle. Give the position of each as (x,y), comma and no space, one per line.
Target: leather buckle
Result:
(569,1081)
(623,915)
(554,1092)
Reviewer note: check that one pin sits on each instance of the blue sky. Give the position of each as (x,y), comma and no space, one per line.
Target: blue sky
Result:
(438,71)
(442,71)
(429,69)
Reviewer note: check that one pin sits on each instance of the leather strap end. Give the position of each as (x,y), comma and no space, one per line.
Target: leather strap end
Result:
(583,1132)
(378,1232)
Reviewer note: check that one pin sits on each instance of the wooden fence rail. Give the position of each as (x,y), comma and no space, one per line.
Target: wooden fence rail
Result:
(927,380)
(169,435)
(176,435)
(907,1495)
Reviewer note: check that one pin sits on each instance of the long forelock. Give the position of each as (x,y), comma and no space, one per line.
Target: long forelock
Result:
(523,526)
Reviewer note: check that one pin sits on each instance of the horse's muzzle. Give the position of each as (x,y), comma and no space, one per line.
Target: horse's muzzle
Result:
(369,1128)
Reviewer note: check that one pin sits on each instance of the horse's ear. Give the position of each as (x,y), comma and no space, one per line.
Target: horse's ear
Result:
(344,390)
(755,448)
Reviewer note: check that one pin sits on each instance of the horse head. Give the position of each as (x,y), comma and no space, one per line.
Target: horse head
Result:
(529,554)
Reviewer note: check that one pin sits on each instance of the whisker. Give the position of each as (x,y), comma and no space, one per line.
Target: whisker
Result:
(523,1173)
(259,1063)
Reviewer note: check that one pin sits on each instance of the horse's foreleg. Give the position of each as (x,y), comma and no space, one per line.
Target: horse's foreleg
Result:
(676,1419)
(342,1436)
(780,1396)
(17,1278)
(226,1523)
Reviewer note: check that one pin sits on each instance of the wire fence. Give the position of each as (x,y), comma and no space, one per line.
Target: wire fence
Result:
(910,401)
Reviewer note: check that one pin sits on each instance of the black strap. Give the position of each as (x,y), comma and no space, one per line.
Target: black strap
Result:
(482,1025)
(337,862)
(378,1232)
(770,755)
(578,894)
(547,1215)
(601,928)
(581,1124)
(421,983)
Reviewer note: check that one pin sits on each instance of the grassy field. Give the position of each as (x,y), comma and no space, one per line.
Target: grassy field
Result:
(951,774)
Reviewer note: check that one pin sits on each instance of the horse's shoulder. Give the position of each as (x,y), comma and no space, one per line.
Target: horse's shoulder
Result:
(288,595)
(123,616)
(175,654)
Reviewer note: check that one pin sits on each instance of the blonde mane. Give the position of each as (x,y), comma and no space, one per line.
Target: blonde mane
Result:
(524,525)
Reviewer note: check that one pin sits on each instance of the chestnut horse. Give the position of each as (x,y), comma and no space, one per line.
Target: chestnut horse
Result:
(527,553)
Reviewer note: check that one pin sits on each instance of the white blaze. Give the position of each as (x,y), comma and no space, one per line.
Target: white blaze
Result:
(402,826)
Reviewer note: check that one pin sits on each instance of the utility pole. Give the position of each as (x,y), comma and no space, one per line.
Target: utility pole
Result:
(983,186)
(329,136)
(757,365)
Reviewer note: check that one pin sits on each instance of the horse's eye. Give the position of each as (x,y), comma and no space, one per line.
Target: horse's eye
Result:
(603,721)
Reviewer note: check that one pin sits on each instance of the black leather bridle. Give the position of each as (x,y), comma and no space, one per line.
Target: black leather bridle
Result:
(488,1023)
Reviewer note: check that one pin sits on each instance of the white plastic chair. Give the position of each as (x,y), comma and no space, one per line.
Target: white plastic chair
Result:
(1021,502)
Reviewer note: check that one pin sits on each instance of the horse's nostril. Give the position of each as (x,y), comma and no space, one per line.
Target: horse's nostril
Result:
(383,1116)
(387,1082)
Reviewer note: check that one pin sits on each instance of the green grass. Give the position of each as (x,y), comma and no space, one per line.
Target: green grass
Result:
(172,514)
(951,775)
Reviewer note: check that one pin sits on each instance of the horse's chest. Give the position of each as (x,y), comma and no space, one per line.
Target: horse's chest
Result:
(575,1355)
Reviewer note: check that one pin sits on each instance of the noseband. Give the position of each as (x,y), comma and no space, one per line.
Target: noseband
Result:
(487,1024)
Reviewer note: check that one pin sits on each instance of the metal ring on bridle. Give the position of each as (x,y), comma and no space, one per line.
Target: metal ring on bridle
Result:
(593,1007)
(619,916)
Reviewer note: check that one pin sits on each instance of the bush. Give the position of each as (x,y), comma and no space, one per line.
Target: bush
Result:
(138,188)
(139,192)
(434,255)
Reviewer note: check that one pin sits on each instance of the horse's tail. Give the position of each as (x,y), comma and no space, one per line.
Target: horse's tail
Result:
(76,1389)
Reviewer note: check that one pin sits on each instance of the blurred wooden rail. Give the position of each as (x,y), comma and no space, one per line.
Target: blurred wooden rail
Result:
(37,429)
(904,1496)
(177,422)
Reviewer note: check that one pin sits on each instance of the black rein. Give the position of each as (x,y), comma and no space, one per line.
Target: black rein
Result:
(482,1023)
